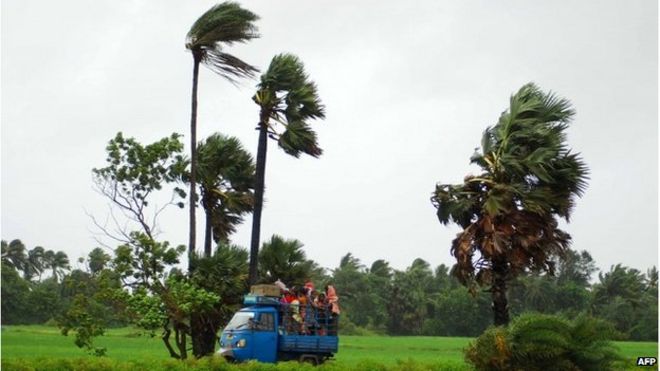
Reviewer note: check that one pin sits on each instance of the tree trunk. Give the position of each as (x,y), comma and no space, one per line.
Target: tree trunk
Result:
(166,340)
(204,335)
(498,293)
(258,198)
(180,336)
(208,232)
(193,158)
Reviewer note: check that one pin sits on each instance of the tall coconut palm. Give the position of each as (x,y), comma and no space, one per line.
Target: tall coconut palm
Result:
(288,98)
(509,211)
(58,262)
(13,255)
(222,25)
(35,263)
(226,178)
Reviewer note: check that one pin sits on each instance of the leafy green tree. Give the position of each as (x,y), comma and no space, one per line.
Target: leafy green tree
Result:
(575,267)
(226,177)
(222,25)
(15,292)
(624,297)
(285,96)
(45,301)
(529,178)
(408,305)
(134,172)
(379,278)
(82,318)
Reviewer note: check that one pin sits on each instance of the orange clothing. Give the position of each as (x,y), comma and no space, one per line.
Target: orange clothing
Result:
(333,299)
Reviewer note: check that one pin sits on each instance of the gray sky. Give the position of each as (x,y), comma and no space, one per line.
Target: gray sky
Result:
(409,88)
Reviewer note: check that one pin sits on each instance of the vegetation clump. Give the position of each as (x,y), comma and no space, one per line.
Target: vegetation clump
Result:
(543,342)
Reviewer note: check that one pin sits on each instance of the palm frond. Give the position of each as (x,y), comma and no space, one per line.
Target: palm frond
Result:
(299,138)
(287,96)
(224,24)
(227,66)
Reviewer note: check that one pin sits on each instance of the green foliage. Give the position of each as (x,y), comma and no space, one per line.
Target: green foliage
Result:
(540,342)
(287,96)
(145,260)
(628,299)
(142,169)
(225,171)
(146,311)
(286,260)
(98,260)
(15,291)
(135,171)
(509,211)
(224,24)
(188,298)
(33,346)
(82,317)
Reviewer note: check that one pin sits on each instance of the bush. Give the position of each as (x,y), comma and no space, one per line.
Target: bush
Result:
(542,342)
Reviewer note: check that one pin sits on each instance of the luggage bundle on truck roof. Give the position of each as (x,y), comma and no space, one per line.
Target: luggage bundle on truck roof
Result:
(265,290)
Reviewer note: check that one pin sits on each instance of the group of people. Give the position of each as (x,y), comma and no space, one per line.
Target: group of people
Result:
(307,311)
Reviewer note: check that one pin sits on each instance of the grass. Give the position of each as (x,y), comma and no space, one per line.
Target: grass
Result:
(355,352)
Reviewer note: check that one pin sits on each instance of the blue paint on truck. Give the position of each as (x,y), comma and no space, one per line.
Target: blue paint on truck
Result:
(265,331)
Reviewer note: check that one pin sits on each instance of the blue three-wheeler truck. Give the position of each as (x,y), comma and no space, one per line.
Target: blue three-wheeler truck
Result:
(266,330)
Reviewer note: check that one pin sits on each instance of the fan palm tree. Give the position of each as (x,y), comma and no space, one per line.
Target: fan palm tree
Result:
(223,273)
(285,260)
(222,25)
(286,97)
(508,212)
(226,178)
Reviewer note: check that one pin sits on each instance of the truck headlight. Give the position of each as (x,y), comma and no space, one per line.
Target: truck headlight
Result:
(241,343)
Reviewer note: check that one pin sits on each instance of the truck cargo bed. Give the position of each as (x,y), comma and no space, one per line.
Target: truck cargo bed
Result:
(308,343)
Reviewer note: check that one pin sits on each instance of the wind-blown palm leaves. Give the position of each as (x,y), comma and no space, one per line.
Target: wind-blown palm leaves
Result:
(508,212)
(226,177)
(287,99)
(285,260)
(222,25)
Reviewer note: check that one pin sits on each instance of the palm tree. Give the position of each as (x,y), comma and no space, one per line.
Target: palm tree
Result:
(285,260)
(287,97)
(13,255)
(58,262)
(508,213)
(223,273)
(35,263)
(222,25)
(226,177)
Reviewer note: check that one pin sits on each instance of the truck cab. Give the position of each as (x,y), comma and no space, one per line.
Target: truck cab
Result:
(264,330)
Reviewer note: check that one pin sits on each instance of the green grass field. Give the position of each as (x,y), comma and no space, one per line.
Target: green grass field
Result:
(30,342)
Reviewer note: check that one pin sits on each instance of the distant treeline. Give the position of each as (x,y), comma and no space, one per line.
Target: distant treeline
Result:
(378,299)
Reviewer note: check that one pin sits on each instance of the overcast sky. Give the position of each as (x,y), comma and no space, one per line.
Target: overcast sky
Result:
(409,88)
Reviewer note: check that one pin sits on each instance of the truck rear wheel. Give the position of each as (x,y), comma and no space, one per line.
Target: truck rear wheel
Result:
(312,359)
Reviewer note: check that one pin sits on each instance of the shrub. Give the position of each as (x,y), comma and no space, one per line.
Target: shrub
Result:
(542,342)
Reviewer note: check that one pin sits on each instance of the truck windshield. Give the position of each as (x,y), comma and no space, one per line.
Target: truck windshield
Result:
(240,321)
